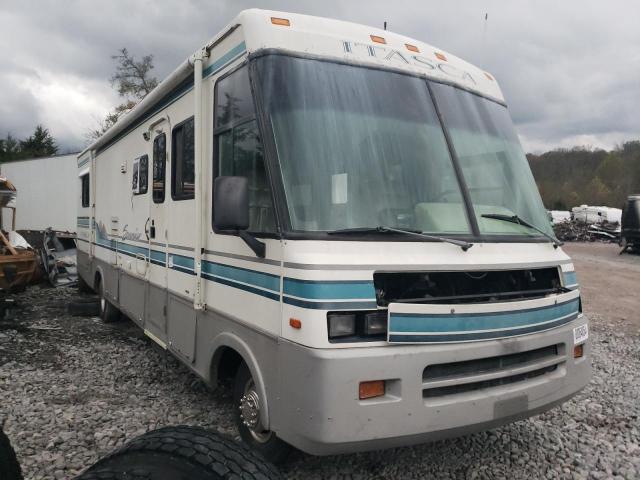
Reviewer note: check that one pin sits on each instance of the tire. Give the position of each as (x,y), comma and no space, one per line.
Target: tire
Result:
(84,307)
(108,311)
(177,453)
(266,443)
(83,286)
(9,466)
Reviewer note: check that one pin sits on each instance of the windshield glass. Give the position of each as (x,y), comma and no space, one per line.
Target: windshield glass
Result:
(493,164)
(359,147)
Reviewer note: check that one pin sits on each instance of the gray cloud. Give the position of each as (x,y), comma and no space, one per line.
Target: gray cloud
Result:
(569,70)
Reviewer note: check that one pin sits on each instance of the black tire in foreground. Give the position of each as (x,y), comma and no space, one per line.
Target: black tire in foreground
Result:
(247,406)
(181,453)
(9,466)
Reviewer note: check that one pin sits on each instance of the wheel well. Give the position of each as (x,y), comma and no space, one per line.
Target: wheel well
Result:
(225,365)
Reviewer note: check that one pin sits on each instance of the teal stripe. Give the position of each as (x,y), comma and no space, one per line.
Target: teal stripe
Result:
(329,290)
(252,277)
(223,60)
(470,322)
(180,261)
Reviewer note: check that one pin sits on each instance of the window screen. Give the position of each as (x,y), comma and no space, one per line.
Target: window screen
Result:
(84,179)
(159,166)
(182,164)
(239,147)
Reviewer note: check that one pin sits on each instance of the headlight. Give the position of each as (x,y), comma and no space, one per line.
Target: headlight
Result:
(342,325)
(375,323)
(360,325)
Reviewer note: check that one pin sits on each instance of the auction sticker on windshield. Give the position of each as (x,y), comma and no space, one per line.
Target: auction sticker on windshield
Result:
(580,334)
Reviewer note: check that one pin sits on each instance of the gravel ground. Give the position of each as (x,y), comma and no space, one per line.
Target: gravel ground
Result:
(72,389)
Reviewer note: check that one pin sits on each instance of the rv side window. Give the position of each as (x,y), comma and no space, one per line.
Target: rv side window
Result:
(182,161)
(84,179)
(159,165)
(239,147)
(140,176)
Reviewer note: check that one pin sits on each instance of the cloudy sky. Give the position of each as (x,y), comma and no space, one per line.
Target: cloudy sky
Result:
(570,70)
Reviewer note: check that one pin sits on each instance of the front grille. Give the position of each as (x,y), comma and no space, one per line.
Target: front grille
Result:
(465,287)
(469,375)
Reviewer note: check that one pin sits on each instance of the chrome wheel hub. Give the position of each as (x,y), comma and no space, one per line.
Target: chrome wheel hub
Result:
(250,409)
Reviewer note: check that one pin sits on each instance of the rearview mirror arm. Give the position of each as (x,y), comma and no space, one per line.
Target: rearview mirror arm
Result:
(258,247)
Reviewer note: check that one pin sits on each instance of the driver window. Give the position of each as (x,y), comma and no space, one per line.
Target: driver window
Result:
(239,149)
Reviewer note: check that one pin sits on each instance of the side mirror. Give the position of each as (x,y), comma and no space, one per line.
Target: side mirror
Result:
(231,203)
(231,210)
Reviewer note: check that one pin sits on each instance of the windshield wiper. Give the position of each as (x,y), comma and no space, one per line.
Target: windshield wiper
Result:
(517,220)
(459,243)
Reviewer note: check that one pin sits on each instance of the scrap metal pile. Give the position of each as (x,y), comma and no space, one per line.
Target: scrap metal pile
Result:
(579,231)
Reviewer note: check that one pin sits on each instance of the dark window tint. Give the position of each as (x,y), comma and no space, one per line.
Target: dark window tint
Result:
(140,175)
(159,166)
(233,99)
(85,190)
(182,164)
(144,174)
(239,147)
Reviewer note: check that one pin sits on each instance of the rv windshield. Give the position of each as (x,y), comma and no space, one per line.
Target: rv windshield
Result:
(360,147)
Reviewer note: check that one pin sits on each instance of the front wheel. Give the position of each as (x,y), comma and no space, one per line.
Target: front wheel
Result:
(248,406)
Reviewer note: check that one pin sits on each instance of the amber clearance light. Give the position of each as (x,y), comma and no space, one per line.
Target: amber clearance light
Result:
(281,21)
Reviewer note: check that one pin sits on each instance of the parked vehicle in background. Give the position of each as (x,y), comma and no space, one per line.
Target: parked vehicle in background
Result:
(592,214)
(630,236)
(341,219)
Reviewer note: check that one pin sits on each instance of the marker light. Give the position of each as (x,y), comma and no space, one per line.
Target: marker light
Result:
(342,325)
(377,39)
(280,21)
(488,76)
(412,48)
(295,323)
(440,56)
(371,389)
(578,351)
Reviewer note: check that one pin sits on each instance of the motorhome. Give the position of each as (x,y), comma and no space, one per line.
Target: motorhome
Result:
(340,220)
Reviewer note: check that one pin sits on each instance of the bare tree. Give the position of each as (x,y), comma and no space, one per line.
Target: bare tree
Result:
(133,81)
(133,78)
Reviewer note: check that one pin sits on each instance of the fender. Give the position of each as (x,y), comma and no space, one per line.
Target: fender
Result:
(227,339)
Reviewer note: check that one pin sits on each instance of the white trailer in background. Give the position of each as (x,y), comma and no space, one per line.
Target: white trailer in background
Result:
(341,218)
(47,192)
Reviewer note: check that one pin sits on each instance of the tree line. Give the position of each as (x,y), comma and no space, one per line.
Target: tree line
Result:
(581,175)
(38,144)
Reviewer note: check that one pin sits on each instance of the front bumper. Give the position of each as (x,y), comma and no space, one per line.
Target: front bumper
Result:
(318,410)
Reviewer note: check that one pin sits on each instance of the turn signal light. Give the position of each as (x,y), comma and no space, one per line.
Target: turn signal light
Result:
(280,21)
(578,351)
(371,389)
(295,323)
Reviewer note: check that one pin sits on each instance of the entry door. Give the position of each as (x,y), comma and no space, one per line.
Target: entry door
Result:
(156,230)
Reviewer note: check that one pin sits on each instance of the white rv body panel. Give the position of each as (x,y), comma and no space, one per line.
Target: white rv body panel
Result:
(45,196)
(140,252)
